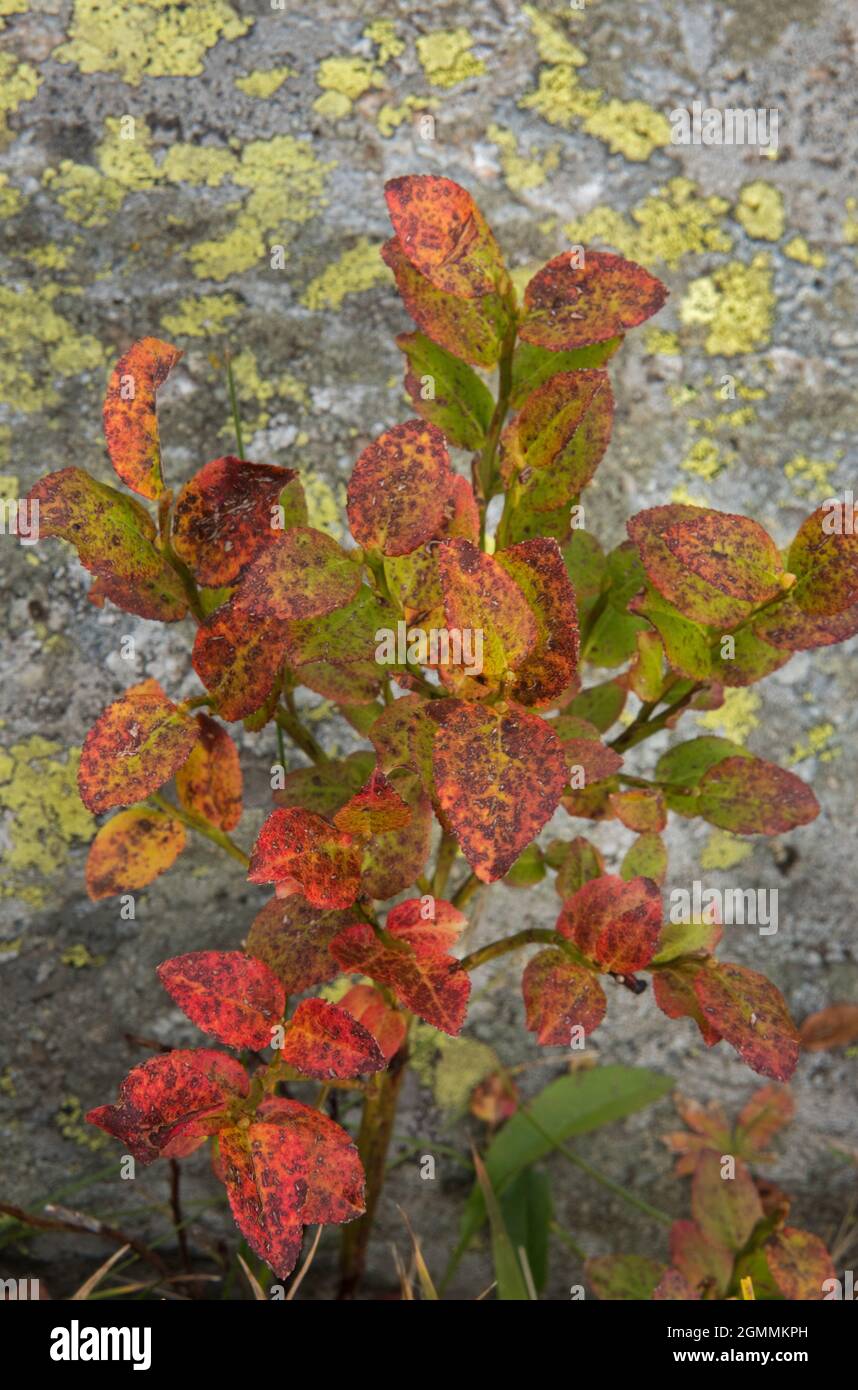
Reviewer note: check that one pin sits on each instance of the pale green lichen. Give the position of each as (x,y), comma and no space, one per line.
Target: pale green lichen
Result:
(325,504)
(521,172)
(79,957)
(630,128)
(450,1067)
(9,7)
(817,745)
(812,477)
(343,80)
(357,269)
(147,38)
(667,226)
(37,343)
(660,342)
(51,257)
(446,57)
(798,250)
(552,44)
(736,303)
(704,459)
(849,228)
(198,165)
(203,316)
(72,1125)
(19,82)
(264,82)
(42,815)
(254,389)
(85,196)
(382,33)
(736,718)
(12,199)
(125,154)
(760,210)
(390,117)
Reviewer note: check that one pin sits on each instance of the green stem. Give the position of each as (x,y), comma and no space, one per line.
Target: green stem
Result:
(194,822)
(233,400)
(466,891)
(376,1128)
(564,1236)
(289,720)
(488,455)
(526,937)
(447,851)
(643,729)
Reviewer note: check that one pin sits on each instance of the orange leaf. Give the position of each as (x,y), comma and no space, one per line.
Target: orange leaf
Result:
(398,490)
(444,235)
(538,569)
(570,306)
(430,925)
(800,1264)
(376,808)
(133,748)
(560,995)
(131,850)
(238,659)
(836,1026)
(292,938)
(499,775)
(432,987)
(472,329)
(302,853)
(209,783)
(323,1040)
(234,997)
(264,1170)
(614,922)
(481,596)
(130,420)
(751,1014)
(640,808)
(224,517)
(335,1176)
(370,1008)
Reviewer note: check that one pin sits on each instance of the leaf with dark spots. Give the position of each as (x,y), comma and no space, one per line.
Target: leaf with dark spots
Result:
(238,660)
(673,1287)
(130,418)
(623,1277)
(301,853)
(499,776)
(646,858)
(376,808)
(556,442)
(133,748)
(673,991)
(303,573)
(335,1178)
(446,392)
(292,938)
(531,365)
(392,733)
(325,787)
(726,1210)
(824,558)
(430,925)
(168,1104)
(539,571)
(749,796)
(369,1007)
(432,987)
(593,758)
(415,579)
(323,1040)
(346,636)
(399,487)
(234,997)
(131,850)
(393,859)
(227,513)
(114,538)
(790,627)
(444,235)
(613,922)
(560,995)
(209,783)
(264,1169)
(577,862)
(692,595)
(640,808)
(570,306)
(481,596)
(355,683)
(751,660)
(800,1264)
(473,329)
(750,1013)
(733,553)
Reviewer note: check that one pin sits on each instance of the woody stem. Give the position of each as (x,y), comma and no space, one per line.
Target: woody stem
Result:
(203,827)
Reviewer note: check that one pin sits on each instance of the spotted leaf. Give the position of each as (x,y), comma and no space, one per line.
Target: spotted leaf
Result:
(399,487)
(371,1009)
(234,997)
(570,306)
(446,392)
(228,512)
(473,329)
(613,922)
(130,419)
(539,571)
(265,1172)
(640,808)
(304,573)
(238,660)
(555,443)
(133,747)
(301,853)
(479,594)
(690,593)
(560,995)
(800,1264)
(324,1040)
(376,808)
(209,783)
(750,796)
(335,1188)
(732,553)
(751,1014)
(292,938)
(430,925)
(432,987)
(131,850)
(444,235)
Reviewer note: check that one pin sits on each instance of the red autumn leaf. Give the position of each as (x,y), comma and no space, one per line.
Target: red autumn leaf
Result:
(304,573)
(673,1286)
(693,596)
(613,922)
(323,1040)
(836,1026)
(472,329)
(499,775)
(301,852)
(824,559)
(209,783)
(725,1209)
(371,1009)
(560,995)
(335,1191)
(133,748)
(790,627)
(168,1104)
(732,553)
(265,1172)
(130,419)
(432,987)
(769,1110)
(224,516)
(234,997)
(577,862)
(673,990)
(131,850)
(399,487)
(557,440)
(640,808)
(800,1264)
(705,1264)
(292,938)
(495,1099)
(376,808)
(479,594)
(114,538)
(444,235)
(570,306)
(749,796)
(751,1014)
(430,925)
(538,568)
(238,660)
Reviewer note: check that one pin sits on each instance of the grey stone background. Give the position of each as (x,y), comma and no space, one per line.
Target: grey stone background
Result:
(170,233)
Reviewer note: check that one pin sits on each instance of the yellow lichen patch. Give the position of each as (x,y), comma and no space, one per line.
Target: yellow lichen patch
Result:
(382,33)
(197,165)
(736,303)
(11,199)
(736,718)
(446,57)
(659,342)
(286,183)
(727,420)
(817,745)
(849,229)
(253,389)
(630,128)
(148,38)
(552,44)
(42,814)
(8,7)
(85,196)
(325,504)
(9,482)
(264,82)
(343,80)
(19,82)
(79,957)
(704,458)
(798,250)
(50,257)
(812,477)
(520,172)
(450,1067)
(723,851)
(760,209)
(356,270)
(671,224)
(560,98)
(390,117)
(36,343)
(71,1124)
(7,1081)
(124,155)
(682,495)
(201,317)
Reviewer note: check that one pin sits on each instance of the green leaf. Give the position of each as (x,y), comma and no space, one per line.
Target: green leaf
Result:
(510,1279)
(446,391)
(645,858)
(556,442)
(585,565)
(528,868)
(686,643)
(685,765)
(533,365)
(624,1277)
(601,705)
(527,1213)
